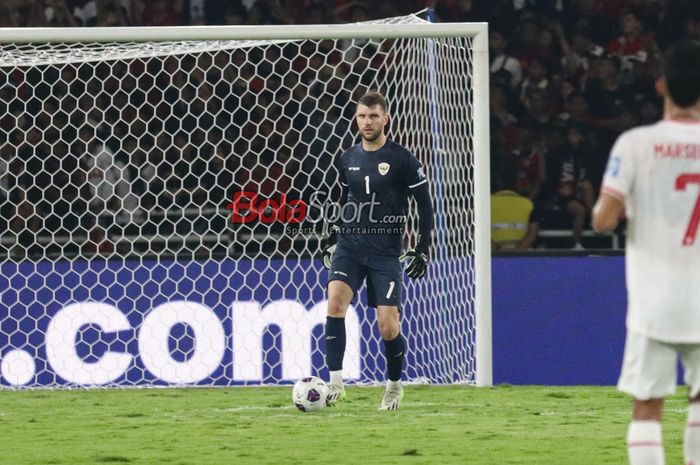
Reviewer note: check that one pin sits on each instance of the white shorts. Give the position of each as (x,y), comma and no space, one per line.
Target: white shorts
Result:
(649,367)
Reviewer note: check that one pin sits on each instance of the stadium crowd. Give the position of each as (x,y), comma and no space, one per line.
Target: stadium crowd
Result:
(567,79)
(567,76)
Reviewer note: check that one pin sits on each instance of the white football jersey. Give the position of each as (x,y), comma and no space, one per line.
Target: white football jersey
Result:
(655,170)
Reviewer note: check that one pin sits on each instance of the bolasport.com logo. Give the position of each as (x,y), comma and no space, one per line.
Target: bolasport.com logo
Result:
(250,207)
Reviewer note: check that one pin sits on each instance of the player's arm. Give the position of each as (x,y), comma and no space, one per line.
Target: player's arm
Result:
(426,217)
(618,183)
(328,243)
(419,255)
(607,212)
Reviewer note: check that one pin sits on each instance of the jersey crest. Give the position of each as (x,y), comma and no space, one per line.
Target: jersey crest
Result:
(384,168)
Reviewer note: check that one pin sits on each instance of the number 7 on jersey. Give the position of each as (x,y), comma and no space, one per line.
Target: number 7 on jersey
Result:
(692,230)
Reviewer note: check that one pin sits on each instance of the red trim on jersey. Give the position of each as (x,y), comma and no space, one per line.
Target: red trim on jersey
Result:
(644,444)
(619,195)
(683,120)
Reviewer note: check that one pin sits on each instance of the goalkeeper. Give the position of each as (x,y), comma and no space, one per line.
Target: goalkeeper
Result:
(377,176)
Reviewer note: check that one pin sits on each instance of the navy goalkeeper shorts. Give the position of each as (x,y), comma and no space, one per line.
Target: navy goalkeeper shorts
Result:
(384,275)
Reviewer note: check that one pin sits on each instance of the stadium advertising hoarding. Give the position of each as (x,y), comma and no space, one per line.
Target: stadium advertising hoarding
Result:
(168,322)
(557,320)
(125,323)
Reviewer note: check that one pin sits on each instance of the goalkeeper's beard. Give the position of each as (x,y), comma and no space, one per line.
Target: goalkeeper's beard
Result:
(371,137)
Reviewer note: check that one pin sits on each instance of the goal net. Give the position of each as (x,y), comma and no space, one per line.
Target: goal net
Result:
(149,189)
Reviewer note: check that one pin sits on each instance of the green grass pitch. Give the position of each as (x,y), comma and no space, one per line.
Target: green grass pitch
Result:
(435,425)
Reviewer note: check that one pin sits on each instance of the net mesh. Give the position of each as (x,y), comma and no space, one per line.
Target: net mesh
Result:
(122,265)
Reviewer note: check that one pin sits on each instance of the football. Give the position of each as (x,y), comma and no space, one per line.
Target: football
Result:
(309,394)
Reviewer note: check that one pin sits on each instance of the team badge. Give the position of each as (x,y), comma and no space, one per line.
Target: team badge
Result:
(384,168)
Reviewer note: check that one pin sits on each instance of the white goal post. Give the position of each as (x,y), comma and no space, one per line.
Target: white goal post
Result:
(125,151)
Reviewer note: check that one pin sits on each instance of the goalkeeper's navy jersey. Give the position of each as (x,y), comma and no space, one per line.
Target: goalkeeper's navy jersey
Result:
(377,185)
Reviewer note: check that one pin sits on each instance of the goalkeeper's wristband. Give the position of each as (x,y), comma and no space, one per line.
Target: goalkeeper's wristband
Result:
(423,246)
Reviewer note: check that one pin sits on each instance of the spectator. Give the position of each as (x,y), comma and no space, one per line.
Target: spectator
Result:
(103,13)
(514,221)
(633,39)
(604,93)
(524,45)
(500,60)
(577,51)
(110,13)
(58,14)
(268,12)
(573,190)
(528,159)
(649,111)
(566,88)
(587,13)
(547,50)
(194,12)
(576,110)
(501,107)
(537,105)
(157,12)
(536,77)
(637,84)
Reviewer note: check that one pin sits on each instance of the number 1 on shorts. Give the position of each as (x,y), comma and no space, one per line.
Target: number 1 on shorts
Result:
(391,288)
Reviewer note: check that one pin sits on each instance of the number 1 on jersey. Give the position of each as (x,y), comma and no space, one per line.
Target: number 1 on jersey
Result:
(367,184)
(692,230)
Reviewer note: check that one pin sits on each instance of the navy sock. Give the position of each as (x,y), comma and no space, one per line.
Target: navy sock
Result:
(335,343)
(394,352)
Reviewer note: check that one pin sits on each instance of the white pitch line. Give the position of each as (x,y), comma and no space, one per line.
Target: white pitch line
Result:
(247,408)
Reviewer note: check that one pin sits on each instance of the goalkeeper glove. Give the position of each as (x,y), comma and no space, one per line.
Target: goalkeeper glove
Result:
(328,246)
(417,260)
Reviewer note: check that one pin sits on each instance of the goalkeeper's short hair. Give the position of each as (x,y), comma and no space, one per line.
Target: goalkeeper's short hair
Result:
(373,98)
